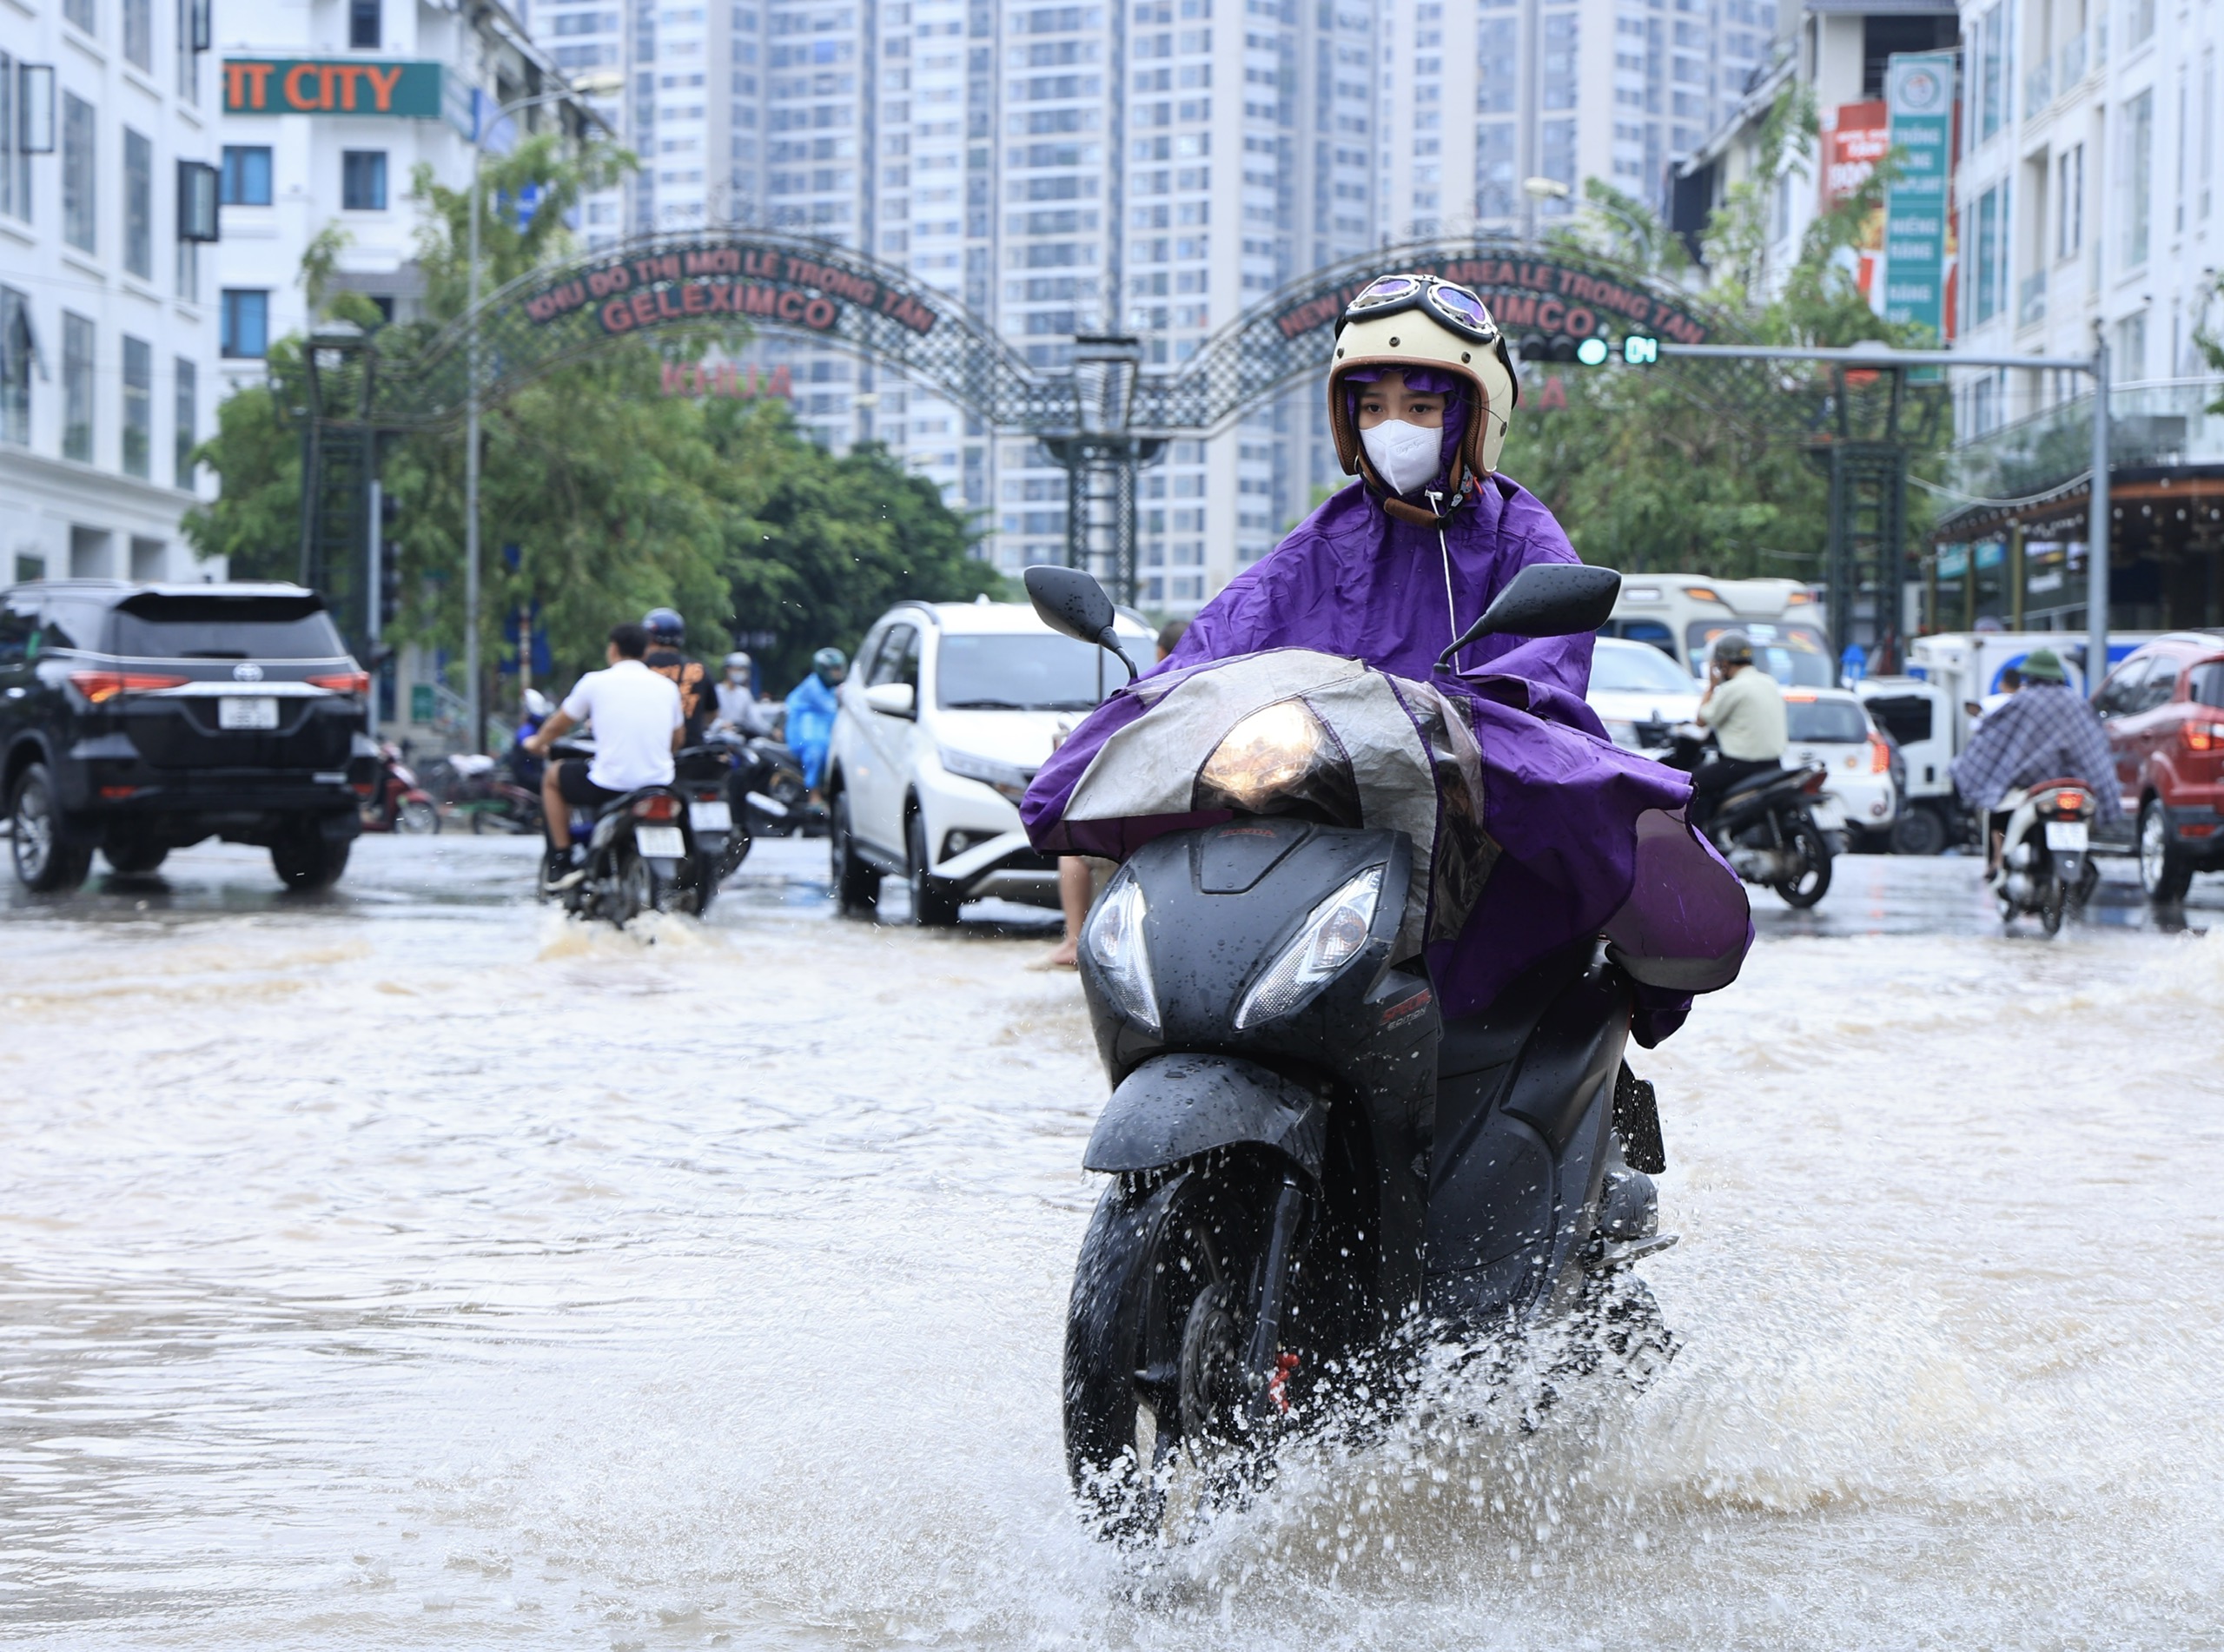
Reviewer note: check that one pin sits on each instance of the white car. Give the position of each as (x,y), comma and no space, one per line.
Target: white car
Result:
(1830,726)
(948,712)
(1634,684)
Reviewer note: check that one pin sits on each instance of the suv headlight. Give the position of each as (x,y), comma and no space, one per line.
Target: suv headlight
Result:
(1115,940)
(1333,934)
(1278,761)
(1007,778)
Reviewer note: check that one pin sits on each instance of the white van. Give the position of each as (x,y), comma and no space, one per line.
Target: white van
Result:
(1681,614)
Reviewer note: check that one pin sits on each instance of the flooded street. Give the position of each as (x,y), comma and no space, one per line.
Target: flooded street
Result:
(409,1268)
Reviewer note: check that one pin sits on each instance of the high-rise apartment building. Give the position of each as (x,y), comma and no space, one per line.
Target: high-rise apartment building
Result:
(1147,166)
(108,311)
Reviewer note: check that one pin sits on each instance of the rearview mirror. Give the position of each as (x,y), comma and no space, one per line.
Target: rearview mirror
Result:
(1546,599)
(1071,603)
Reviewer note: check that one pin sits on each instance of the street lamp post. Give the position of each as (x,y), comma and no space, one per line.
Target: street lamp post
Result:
(474,706)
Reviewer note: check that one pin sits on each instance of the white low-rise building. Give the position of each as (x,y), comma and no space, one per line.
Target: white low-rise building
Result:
(107,330)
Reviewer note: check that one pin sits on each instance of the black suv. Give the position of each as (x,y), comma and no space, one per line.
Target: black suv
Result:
(137,719)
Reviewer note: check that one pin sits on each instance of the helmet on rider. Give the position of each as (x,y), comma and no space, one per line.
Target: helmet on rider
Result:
(1733,648)
(828,664)
(536,704)
(665,628)
(1439,339)
(737,664)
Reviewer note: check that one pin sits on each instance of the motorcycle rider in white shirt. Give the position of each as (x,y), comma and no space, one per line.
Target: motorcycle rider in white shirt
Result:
(639,724)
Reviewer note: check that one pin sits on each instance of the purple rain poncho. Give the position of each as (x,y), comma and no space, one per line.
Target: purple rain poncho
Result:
(1592,837)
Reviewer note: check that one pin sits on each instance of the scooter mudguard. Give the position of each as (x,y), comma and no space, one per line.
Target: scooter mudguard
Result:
(1175,1107)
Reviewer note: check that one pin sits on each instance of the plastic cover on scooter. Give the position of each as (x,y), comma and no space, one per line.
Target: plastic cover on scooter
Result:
(1413,753)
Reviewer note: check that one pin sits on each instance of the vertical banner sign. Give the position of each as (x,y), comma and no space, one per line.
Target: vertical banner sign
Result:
(1919,92)
(1855,137)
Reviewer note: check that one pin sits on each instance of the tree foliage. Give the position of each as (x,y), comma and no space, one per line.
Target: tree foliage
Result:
(1704,466)
(600,497)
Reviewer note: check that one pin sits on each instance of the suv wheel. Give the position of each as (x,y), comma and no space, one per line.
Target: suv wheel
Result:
(47,859)
(2164,871)
(306,859)
(934,903)
(856,883)
(134,856)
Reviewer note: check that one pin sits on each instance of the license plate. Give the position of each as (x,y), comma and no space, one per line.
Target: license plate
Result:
(2065,833)
(660,842)
(247,711)
(715,816)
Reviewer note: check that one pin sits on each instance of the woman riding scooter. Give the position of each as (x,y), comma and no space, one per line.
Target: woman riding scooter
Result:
(1579,837)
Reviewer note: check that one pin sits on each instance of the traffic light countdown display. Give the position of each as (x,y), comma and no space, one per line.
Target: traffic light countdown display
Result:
(1638,350)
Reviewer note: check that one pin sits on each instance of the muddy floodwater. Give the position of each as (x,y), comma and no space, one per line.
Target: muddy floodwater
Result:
(412,1269)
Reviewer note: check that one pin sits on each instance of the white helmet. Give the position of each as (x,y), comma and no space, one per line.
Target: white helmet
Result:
(1424,326)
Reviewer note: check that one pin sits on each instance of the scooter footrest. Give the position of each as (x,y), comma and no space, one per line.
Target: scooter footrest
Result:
(1620,1253)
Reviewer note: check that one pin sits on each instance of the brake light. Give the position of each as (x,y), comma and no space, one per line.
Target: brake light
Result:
(1880,756)
(344,682)
(2202,736)
(2070,805)
(708,796)
(100,687)
(1814,782)
(663,806)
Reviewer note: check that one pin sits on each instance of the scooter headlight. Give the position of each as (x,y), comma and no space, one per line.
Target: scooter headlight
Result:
(1275,759)
(1334,934)
(1115,940)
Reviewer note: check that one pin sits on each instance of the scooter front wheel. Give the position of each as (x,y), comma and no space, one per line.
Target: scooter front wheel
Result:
(1165,1293)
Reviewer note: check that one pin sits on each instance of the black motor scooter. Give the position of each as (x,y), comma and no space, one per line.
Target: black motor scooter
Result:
(1312,1170)
(1764,825)
(658,848)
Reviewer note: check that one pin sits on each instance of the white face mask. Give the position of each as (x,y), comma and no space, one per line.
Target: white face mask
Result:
(1404,455)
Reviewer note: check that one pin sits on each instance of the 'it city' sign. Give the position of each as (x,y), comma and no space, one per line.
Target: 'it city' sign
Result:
(319,86)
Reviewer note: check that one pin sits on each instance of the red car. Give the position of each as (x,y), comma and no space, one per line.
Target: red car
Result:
(2164,709)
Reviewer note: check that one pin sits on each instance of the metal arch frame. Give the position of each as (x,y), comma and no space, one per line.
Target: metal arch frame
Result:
(1101,419)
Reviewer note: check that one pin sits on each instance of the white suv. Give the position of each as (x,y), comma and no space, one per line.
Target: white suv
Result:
(948,712)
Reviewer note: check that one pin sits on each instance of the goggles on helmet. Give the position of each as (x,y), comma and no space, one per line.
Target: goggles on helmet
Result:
(1457,308)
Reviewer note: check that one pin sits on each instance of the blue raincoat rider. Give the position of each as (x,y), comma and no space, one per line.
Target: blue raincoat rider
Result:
(812,706)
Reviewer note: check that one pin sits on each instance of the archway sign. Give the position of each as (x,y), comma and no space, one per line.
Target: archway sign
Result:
(798,287)
(1101,417)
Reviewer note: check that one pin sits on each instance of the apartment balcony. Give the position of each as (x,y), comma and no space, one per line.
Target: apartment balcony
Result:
(2031,299)
(2038,91)
(2160,424)
(2070,60)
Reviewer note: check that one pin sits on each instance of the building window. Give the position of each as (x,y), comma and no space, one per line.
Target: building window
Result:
(1986,248)
(14,367)
(362,180)
(245,181)
(138,408)
(363,24)
(80,216)
(138,205)
(244,326)
(80,13)
(14,164)
(190,49)
(139,32)
(186,417)
(2139,176)
(2070,202)
(77,387)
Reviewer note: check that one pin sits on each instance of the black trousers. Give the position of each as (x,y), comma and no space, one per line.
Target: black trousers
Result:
(1712,779)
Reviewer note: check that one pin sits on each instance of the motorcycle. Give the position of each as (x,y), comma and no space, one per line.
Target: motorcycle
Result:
(2046,865)
(397,802)
(1765,826)
(658,848)
(1312,1173)
(764,787)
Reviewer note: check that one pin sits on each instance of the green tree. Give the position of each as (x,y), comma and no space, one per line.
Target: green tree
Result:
(1705,467)
(600,497)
